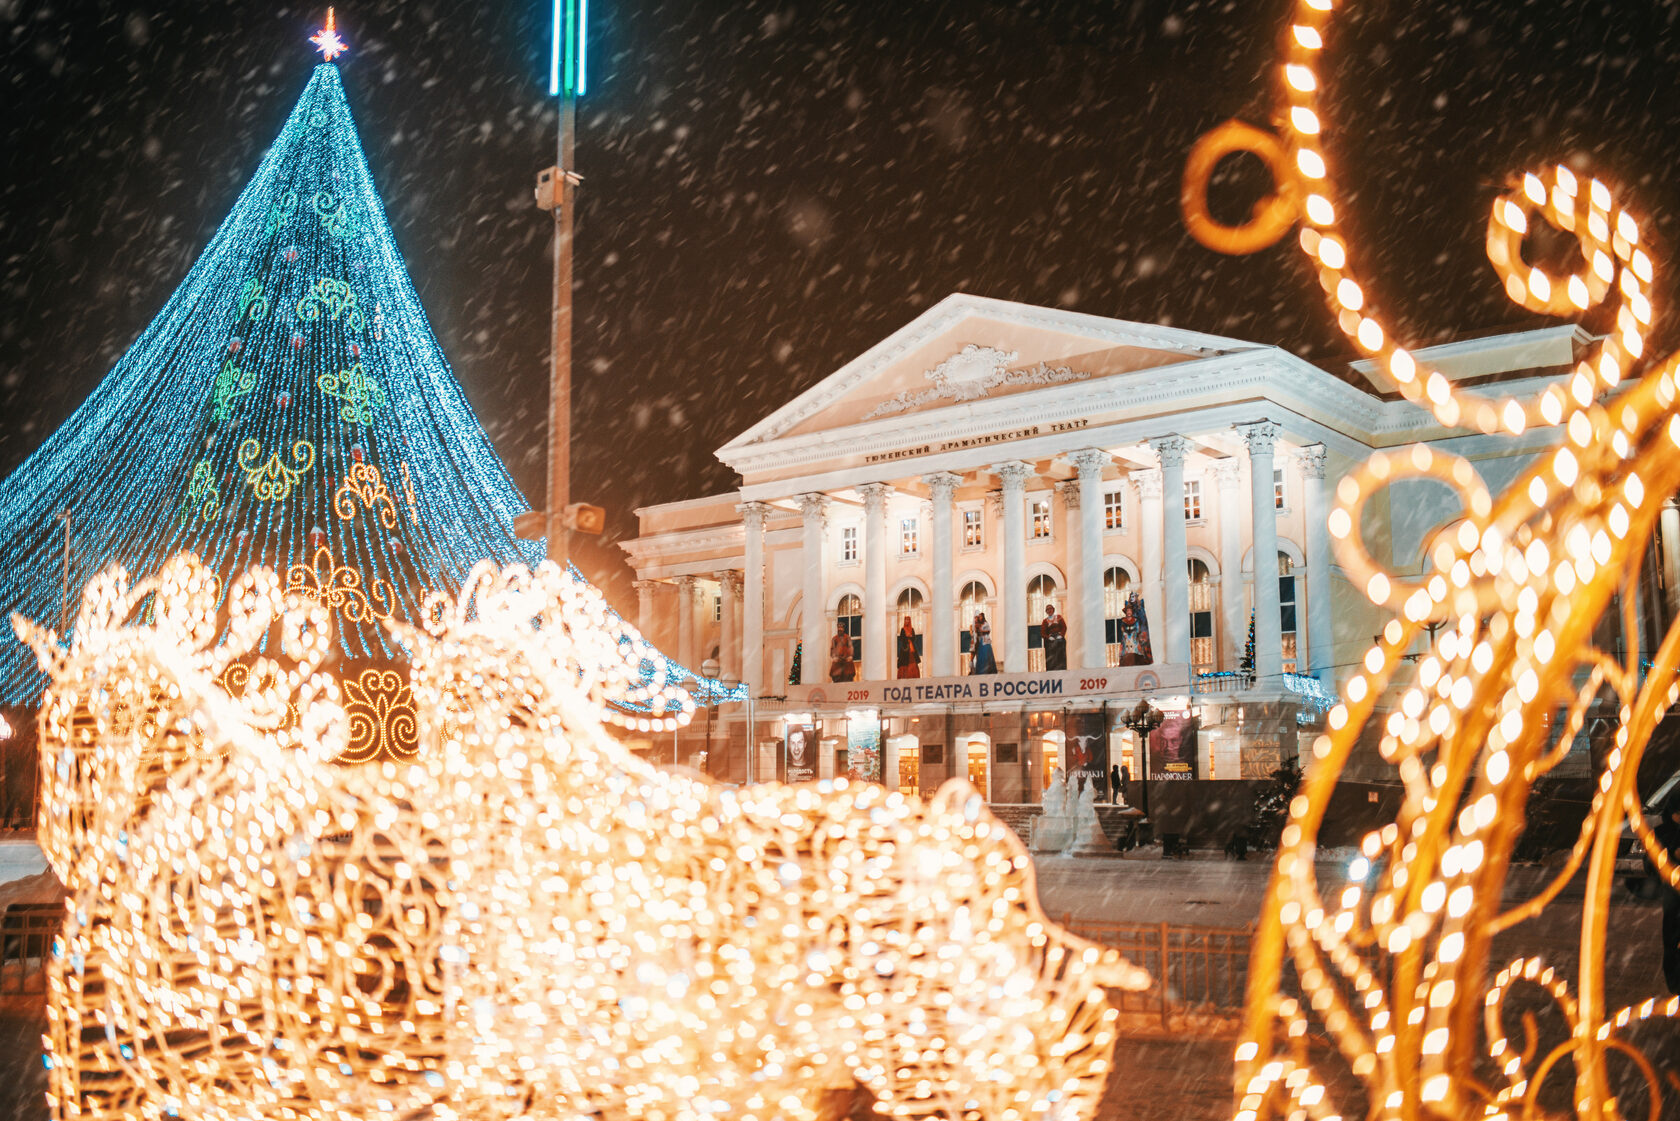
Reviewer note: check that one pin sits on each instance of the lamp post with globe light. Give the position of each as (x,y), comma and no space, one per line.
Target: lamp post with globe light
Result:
(1143,719)
(709,670)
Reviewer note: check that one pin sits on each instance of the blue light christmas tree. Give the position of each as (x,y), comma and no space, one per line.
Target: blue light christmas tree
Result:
(290,407)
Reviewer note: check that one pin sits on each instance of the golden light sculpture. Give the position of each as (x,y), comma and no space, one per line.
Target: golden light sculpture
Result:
(527,920)
(1393,964)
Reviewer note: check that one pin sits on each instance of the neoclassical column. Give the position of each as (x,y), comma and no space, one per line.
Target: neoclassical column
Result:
(813,667)
(752,603)
(1321,631)
(1233,620)
(1074,594)
(942,611)
(1148,485)
(1175,560)
(1268,626)
(875,581)
(1014,633)
(685,622)
(729,647)
(1093,644)
(644,606)
(1669,526)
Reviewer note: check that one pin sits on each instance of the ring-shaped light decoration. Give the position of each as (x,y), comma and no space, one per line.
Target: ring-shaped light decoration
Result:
(1566,201)
(1382,585)
(1533,287)
(1271,216)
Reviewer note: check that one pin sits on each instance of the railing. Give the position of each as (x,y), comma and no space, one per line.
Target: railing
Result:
(26,937)
(1200,973)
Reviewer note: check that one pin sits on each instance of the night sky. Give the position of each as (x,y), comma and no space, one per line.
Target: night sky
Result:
(772,187)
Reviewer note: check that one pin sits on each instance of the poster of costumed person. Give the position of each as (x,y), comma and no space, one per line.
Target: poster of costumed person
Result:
(841,666)
(1054,632)
(980,642)
(909,660)
(1134,633)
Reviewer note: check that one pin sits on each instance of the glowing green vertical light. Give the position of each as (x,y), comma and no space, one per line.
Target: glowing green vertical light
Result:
(567,68)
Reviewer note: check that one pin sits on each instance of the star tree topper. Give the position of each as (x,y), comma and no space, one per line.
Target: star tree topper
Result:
(327,41)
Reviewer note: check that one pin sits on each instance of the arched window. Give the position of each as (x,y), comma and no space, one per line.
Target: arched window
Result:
(911,603)
(1117,584)
(1041,590)
(850,612)
(970,603)
(1204,647)
(1286,609)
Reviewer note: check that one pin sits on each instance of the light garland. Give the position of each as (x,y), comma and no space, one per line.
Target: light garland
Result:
(1394,967)
(527,920)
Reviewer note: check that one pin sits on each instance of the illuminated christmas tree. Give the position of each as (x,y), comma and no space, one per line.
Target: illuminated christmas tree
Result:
(288,407)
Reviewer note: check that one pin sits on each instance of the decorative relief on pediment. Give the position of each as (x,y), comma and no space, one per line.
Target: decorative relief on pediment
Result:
(970,374)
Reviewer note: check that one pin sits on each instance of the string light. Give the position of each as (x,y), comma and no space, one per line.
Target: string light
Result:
(525,917)
(1395,968)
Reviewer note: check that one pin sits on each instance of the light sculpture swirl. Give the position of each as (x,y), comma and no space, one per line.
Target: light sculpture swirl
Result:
(1394,965)
(524,921)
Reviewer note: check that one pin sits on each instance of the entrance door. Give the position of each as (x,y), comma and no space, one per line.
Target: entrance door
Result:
(979,748)
(909,765)
(1052,748)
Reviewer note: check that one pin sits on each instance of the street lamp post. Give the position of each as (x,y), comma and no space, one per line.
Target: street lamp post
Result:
(709,670)
(1144,719)
(557,191)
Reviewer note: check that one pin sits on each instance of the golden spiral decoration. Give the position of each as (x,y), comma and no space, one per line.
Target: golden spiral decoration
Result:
(1392,961)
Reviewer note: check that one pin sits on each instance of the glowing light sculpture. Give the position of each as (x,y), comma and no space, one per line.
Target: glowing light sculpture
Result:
(525,921)
(1393,962)
(289,386)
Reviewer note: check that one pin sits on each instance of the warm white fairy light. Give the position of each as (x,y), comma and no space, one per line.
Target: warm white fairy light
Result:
(526,920)
(1394,968)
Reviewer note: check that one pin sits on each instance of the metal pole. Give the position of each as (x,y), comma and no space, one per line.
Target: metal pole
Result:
(560,370)
(709,709)
(1143,742)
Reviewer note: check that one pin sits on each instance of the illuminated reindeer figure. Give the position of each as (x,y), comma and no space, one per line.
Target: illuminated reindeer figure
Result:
(528,920)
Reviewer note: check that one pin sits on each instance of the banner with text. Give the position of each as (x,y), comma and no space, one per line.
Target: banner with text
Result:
(1087,750)
(1027,687)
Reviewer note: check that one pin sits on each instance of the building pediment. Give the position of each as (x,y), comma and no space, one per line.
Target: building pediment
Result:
(967,349)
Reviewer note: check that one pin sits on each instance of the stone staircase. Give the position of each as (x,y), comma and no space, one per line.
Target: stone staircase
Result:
(1017,817)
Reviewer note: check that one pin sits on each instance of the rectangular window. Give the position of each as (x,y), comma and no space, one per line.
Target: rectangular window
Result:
(1040,519)
(909,537)
(974,535)
(1192,500)
(1113,511)
(1277,487)
(848,544)
(1286,613)
(717,609)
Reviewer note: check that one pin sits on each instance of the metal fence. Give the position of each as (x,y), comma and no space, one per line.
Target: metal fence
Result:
(1200,972)
(26,937)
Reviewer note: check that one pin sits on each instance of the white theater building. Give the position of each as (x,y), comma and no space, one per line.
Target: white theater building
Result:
(995,457)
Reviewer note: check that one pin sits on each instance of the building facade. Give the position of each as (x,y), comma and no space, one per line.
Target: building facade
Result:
(1163,492)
